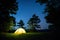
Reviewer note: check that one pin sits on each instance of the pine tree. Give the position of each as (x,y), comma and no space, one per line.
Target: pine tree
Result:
(33,22)
(21,24)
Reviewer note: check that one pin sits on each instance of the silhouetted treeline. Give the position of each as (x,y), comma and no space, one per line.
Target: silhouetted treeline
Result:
(33,23)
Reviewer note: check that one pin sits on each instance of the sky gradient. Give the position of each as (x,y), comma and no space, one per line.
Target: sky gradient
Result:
(26,8)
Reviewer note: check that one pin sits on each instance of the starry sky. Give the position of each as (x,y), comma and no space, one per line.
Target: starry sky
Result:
(26,8)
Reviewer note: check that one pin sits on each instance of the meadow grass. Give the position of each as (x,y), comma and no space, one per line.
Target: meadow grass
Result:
(27,36)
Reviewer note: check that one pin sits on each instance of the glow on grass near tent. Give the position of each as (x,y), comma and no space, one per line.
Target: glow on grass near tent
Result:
(20,31)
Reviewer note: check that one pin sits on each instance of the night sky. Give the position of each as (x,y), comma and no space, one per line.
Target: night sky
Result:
(26,8)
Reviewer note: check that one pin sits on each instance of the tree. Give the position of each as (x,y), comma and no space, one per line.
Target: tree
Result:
(21,24)
(33,22)
(7,7)
(53,9)
(12,22)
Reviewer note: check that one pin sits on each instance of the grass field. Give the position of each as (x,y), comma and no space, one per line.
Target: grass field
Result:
(27,36)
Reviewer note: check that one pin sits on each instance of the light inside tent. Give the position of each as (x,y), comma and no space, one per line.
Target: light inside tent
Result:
(20,31)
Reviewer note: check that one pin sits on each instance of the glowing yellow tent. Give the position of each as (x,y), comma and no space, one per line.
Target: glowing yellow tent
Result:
(20,31)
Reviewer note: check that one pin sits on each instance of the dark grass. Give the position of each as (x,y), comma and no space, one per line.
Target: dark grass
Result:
(27,36)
